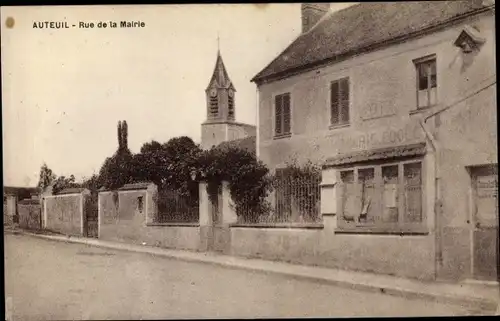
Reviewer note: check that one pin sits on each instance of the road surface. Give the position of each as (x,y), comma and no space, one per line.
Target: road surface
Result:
(56,280)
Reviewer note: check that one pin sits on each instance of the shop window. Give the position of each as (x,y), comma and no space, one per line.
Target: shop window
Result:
(382,197)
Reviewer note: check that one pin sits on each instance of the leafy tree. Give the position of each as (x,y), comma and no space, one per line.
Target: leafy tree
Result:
(93,183)
(118,169)
(168,165)
(63,182)
(47,176)
(248,178)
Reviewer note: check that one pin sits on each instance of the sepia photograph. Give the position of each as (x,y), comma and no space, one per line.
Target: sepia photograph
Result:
(251,160)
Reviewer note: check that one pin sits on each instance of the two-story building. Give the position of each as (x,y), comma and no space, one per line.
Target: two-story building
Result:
(397,102)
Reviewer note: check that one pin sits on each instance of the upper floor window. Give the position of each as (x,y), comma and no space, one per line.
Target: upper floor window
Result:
(339,102)
(426,82)
(282,114)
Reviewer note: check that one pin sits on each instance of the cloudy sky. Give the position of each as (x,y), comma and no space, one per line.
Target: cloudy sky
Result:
(64,90)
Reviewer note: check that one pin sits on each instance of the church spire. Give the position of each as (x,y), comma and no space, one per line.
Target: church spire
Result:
(220,77)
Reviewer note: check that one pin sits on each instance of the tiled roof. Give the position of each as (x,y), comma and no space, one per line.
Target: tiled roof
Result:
(363,27)
(12,190)
(247,143)
(72,190)
(377,154)
(135,186)
(29,201)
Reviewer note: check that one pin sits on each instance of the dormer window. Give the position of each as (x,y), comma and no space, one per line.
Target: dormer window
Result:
(469,40)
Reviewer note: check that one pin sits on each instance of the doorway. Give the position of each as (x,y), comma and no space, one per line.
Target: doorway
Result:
(485,220)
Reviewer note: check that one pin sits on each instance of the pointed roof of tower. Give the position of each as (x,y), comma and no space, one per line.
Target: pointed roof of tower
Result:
(220,77)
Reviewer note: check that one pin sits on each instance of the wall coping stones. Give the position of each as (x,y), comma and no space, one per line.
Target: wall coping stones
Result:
(173,224)
(279,225)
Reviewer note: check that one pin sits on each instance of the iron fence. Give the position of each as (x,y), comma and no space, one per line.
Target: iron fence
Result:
(177,206)
(291,201)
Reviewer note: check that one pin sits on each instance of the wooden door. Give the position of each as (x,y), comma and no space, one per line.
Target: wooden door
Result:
(485,219)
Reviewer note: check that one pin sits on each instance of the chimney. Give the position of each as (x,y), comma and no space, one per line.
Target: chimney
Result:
(312,13)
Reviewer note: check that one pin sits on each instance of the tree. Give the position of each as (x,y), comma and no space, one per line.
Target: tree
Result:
(46,177)
(168,165)
(93,183)
(63,182)
(118,169)
(248,178)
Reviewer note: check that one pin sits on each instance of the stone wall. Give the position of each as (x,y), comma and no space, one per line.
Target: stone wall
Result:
(30,215)
(120,219)
(65,213)
(407,256)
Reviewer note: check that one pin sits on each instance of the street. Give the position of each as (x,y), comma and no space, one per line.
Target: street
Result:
(56,280)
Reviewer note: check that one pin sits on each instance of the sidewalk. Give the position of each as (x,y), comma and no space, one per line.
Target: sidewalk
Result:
(476,296)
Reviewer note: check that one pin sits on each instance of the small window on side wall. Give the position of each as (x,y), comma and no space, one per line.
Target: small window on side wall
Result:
(282,115)
(140,204)
(426,82)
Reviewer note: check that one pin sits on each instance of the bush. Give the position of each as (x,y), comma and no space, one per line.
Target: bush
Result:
(248,178)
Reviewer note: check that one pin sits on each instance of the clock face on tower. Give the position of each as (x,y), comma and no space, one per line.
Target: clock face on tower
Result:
(230,93)
(213,92)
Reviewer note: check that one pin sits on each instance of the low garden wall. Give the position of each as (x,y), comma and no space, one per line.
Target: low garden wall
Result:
(122,218)
(406,256)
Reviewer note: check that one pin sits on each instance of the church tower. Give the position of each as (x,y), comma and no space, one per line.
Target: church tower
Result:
(220,94)
(220,124)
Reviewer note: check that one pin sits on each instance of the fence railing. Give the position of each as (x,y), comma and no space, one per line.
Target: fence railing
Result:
(174,206)
(292,201)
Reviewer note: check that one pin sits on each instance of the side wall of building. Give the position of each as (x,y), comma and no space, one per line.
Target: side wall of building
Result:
(467,135)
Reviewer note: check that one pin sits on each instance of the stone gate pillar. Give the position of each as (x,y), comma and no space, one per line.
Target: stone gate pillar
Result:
(205,219)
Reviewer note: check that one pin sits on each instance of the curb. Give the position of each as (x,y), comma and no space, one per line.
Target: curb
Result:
(485,305)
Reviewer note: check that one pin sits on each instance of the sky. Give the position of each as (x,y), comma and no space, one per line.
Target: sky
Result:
(64,90)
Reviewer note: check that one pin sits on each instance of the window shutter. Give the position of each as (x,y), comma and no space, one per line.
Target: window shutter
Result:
(286,114)
(278,114)
(344,101)
(334,101)
(413,192)
(340,201)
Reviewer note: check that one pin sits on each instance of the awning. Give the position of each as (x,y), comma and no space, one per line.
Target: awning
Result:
(377,154)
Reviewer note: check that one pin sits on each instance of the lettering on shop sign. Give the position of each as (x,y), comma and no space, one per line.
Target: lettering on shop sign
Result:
(381,138)
(374,111)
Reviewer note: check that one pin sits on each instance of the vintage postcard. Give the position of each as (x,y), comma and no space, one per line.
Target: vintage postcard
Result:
(250,160)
